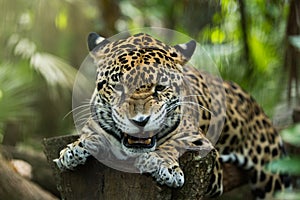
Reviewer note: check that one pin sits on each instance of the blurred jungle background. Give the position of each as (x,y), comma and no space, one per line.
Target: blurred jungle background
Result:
(255,43)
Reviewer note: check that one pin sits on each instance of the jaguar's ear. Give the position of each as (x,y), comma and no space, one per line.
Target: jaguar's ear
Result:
(95,40)
(186,49)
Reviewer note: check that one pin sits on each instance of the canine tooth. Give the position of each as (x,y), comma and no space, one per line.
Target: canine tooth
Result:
(130,141)
(148,141)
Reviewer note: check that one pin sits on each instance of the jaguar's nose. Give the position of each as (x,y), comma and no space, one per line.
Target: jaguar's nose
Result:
(141,121)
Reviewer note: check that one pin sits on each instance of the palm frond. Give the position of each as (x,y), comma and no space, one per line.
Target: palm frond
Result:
(55,70)
(16,94)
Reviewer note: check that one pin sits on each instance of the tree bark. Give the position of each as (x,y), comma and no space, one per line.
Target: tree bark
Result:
(292,54)
(15,187)
(296,114)
(97,181)
(110,13)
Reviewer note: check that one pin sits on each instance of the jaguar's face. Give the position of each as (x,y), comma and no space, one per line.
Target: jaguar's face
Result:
(144,111)
(137,95)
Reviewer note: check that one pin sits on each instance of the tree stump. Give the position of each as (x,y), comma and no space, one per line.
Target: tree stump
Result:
(94,180)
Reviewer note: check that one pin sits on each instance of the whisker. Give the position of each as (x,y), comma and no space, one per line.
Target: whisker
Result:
(190,105)
(195,104)
(85,111)
(84,116)
(77,108)
(81,121)
(193,95)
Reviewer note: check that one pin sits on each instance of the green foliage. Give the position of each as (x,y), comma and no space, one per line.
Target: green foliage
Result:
(54,69)
(289,165)
(258,70)
(292,135)
(16,95)
(35,78)
(293,195)
(15,85)
(295,41)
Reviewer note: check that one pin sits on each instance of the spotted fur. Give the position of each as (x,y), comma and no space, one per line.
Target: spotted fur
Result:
(151,105)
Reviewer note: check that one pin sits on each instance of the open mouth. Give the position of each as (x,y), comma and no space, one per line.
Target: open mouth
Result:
(137,142)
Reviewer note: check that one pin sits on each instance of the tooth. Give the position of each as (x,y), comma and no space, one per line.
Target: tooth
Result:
(130,141)
(148,141)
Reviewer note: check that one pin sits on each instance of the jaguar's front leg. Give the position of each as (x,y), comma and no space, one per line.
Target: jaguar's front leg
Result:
(91,142)
(163,163)
(72,155)
(163,167)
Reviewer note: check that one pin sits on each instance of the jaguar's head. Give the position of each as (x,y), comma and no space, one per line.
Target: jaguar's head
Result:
(139,84)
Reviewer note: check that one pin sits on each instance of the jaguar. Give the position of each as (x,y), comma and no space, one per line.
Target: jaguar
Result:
(150,105)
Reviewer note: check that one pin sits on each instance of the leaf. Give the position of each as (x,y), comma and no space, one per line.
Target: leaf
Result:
(55,70)
(292,195)
(289,165)
(25,48)
(217,36)
(292,135)
(61,20)
(16,94)
(295,41)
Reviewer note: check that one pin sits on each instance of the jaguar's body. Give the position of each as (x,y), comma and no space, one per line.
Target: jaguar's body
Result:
(151,105)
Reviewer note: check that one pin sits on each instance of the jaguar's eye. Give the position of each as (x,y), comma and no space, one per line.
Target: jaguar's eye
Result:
(119,87)
(160,88)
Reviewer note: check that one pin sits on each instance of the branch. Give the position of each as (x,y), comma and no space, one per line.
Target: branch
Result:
(13,186)
(41,171)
